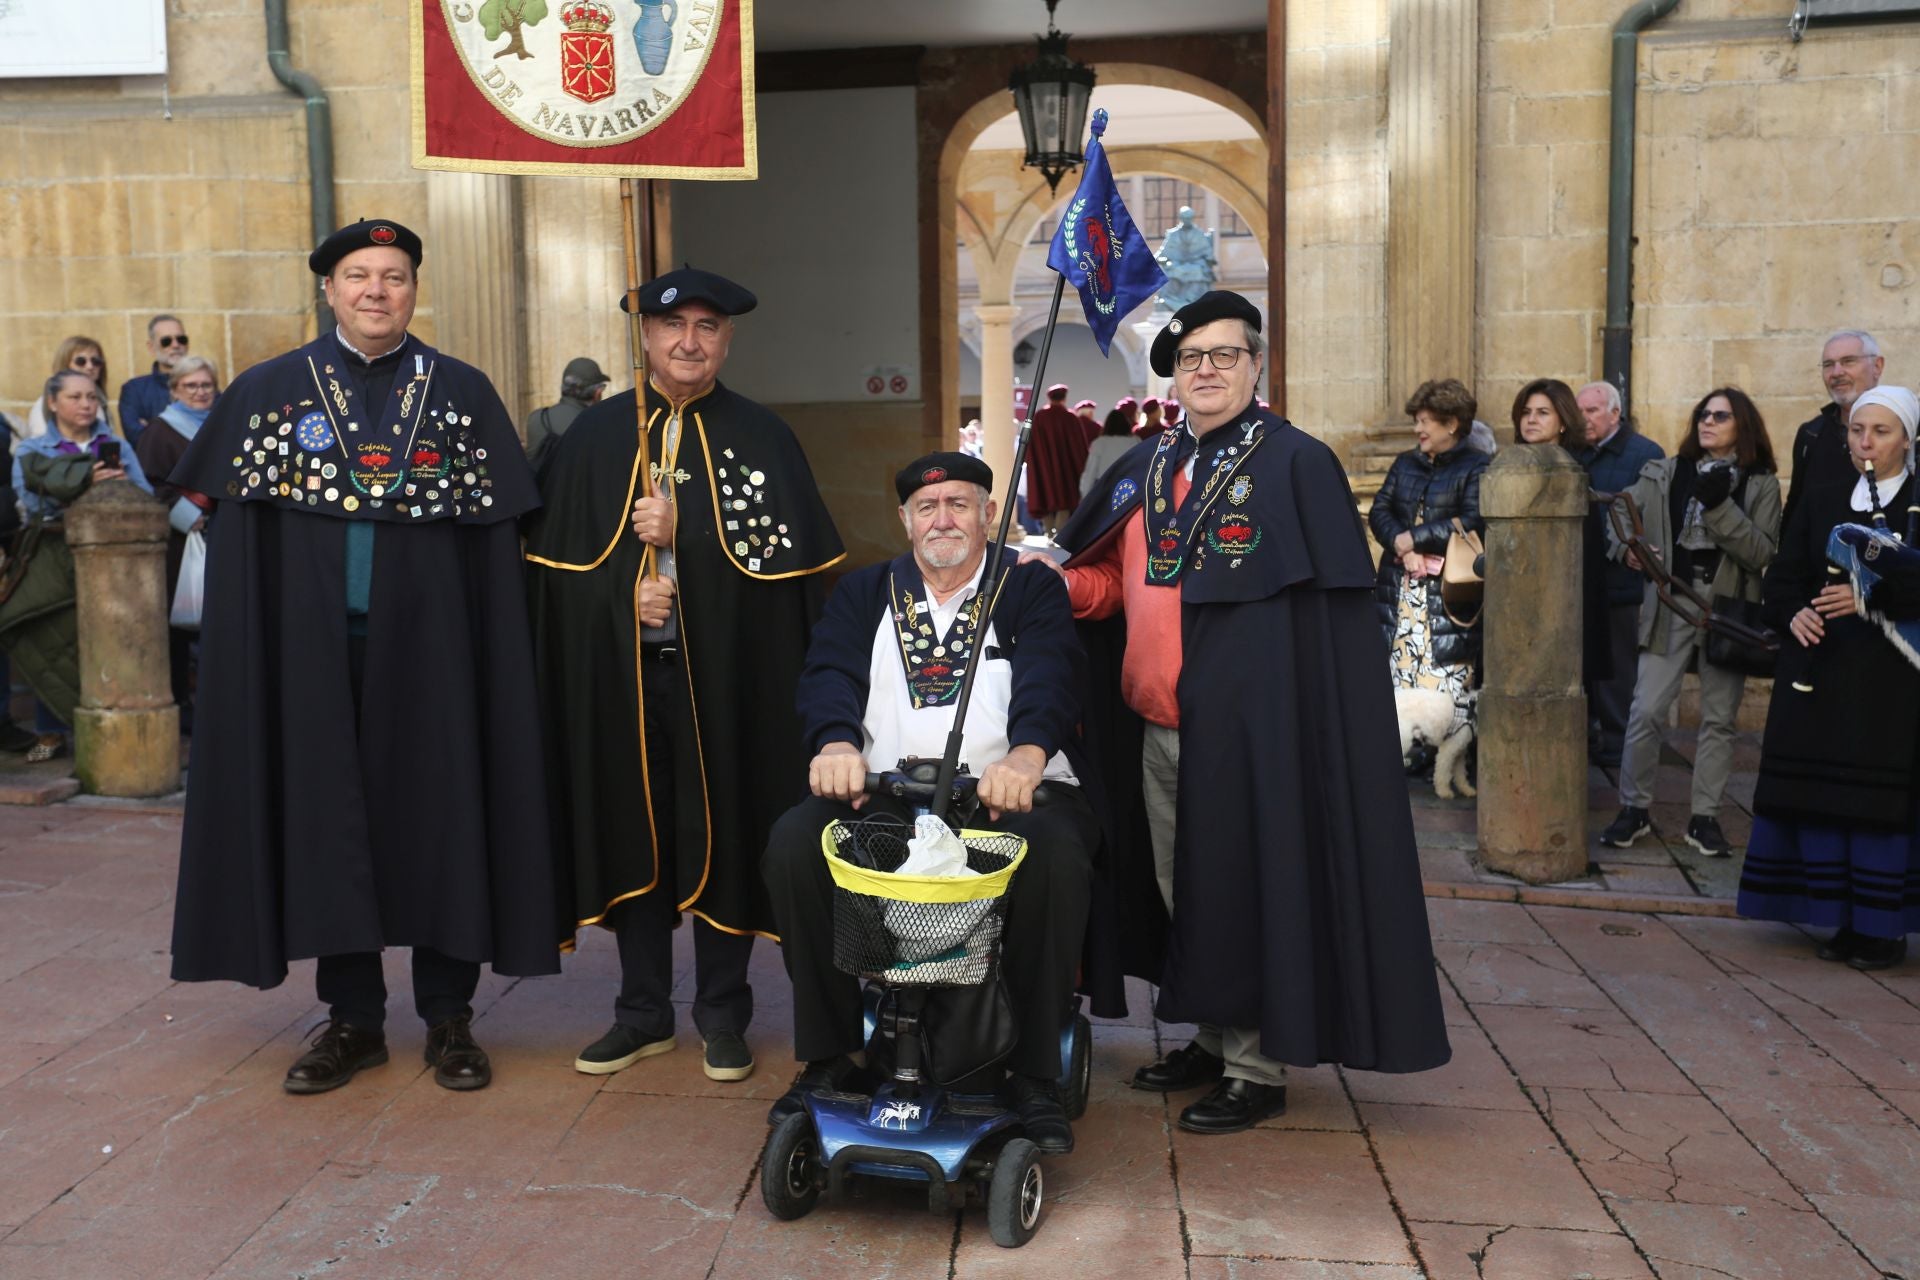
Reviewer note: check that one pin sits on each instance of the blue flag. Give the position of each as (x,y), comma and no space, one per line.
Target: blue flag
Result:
(1100,251)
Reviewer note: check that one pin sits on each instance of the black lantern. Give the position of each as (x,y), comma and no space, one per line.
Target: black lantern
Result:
(1051,95)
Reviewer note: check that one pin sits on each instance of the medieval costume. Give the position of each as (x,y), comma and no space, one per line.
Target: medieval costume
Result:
(1056,452)
(671,751)
(1299,929)
(1836,832)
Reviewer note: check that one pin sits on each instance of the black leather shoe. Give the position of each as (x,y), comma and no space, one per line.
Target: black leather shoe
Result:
(1233,1106)
(1877,953)
(1839,946)
(829,1073)
(1042,1118)
(1186,1068)
(339,1052)
(457,1061)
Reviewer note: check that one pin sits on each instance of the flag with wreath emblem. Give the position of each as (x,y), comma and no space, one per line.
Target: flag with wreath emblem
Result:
(626,88)
(1100,251)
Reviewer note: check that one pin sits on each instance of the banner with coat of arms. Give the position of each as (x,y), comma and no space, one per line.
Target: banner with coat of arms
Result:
(627,88)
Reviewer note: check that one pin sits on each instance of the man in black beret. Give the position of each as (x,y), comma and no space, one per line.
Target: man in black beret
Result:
(1261,736)
(365,705)
(670,621)
(882,679)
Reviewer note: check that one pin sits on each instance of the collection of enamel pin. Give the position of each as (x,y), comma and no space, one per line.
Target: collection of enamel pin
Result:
(1171,527)
(292,454)
(934,664)
(751,534)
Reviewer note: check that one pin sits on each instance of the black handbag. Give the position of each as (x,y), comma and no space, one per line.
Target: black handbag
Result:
(1741,648)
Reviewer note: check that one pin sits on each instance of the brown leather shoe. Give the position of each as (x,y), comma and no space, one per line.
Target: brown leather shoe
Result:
(339,1052)
(458,1062)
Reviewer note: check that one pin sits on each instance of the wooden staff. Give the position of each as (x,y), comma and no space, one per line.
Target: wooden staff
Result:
(637,347)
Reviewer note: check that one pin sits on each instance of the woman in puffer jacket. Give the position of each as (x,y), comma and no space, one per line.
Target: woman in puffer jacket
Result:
(1426,489)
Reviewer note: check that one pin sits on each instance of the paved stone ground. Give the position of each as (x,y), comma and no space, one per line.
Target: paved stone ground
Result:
(1631,1096)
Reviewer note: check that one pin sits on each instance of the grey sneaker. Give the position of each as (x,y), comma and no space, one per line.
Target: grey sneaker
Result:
(1628,827)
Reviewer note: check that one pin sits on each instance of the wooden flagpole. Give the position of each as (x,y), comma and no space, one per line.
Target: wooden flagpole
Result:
(637,343)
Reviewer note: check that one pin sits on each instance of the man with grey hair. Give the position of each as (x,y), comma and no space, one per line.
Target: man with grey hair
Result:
(142,398)
(1850,365)
(581,385)
(1613,458)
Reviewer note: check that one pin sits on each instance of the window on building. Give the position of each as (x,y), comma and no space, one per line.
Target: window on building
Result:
(1231,223)
(1163,198)
(1043,233)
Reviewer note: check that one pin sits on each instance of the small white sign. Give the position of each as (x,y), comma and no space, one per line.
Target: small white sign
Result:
(889,382)
(40,38)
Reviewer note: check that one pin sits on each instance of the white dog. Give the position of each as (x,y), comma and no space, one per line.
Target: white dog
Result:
(1428,716)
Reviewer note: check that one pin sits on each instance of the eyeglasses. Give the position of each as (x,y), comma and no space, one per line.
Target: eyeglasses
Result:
(1848,363)
(1188,359)
(172,340)
(99,362)
(1715,415)
(194,386)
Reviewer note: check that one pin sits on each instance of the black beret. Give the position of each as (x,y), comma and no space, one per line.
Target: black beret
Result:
(1219,304)
(373,233)
(936,467)
(690,284)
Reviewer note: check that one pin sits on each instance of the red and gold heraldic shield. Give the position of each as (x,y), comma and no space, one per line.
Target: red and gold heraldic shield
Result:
(626,88)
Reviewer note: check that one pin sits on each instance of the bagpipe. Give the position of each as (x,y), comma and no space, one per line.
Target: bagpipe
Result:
(1883,570)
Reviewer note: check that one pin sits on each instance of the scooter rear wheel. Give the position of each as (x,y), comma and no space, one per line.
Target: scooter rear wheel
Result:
(1015,1194)
(789,1169)
(1077,1083)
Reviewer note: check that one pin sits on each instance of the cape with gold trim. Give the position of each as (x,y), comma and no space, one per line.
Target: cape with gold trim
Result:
(317,824)
(752,535)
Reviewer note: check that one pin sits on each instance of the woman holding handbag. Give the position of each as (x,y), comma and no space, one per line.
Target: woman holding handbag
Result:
(194,384)
(1430,495)
(1712,514)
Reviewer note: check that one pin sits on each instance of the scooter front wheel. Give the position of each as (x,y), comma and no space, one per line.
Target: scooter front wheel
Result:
(790,1169)
(1015,1194)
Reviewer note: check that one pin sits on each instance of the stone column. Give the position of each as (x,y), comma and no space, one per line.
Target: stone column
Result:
(1432,109)
(474,273)
(996,389)
(1533,712)
(126,730)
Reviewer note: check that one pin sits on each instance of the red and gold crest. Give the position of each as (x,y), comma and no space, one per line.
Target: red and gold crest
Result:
(586,51)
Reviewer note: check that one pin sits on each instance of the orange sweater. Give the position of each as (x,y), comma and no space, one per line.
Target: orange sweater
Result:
(1150,670)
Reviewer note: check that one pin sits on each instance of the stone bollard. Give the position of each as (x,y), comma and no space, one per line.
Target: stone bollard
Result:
(126,730)
(1533,711)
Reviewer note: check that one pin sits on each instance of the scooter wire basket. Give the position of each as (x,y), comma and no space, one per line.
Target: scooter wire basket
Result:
(912,930)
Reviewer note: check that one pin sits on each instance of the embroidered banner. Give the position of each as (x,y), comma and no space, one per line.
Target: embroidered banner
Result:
(625,88)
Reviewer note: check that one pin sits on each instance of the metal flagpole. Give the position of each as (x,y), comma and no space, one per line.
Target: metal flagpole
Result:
(637,346)
(950,758)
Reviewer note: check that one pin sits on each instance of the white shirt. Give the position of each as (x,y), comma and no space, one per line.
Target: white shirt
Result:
(1888,487)
(895,729)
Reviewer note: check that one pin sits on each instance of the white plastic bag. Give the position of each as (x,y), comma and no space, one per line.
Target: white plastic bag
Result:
(190,594)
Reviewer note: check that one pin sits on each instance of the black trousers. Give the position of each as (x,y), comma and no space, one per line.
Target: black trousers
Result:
(723,998)
(355,990)
(1609,700)
(1040,948)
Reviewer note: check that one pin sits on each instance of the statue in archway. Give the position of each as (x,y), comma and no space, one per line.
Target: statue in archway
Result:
(1186,255)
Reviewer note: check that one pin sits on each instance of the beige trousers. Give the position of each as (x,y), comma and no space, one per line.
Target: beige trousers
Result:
(1159,778)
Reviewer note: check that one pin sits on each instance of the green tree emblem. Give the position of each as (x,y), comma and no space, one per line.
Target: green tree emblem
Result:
(506,17)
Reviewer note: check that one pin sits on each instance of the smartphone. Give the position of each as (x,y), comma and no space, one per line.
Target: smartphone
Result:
(109,454)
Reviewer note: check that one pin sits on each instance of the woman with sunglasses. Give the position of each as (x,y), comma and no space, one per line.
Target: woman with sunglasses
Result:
(83,355)
(1712,515)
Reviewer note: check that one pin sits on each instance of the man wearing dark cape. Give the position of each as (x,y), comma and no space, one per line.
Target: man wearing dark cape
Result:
(673,743)
(1299,933)
(365,707)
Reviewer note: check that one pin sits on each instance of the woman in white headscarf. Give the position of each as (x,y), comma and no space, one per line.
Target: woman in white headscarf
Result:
(1836,837)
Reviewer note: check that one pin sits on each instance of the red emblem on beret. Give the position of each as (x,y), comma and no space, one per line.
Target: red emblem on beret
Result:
(383,235)
(933,475)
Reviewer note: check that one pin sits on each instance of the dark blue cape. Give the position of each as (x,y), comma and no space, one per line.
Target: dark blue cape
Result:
(1297,886)
(316,825)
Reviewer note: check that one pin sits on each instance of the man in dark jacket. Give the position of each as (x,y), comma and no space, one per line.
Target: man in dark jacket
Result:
(581,386)
(881,682)
(1850,364)
(1615,453)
